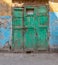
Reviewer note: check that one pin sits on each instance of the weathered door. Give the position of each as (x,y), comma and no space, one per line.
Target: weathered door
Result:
(29,24)
(30,27)
(17,25)
(42,27)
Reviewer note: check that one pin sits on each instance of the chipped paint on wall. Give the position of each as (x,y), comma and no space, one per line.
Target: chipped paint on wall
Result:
(53,29)
(5,8)
(5,30)
(53,23)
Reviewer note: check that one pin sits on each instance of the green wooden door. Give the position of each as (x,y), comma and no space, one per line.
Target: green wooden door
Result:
(29,24)
(17,28)
(30,27)
(42,27)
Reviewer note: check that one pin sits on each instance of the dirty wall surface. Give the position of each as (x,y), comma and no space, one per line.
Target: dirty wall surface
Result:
(5,30)
(5,22)
(53,24)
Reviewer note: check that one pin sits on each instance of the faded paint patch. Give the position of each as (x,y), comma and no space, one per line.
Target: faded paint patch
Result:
(53,6)
(53,29)
(5,30)
(9,2)
(5,8)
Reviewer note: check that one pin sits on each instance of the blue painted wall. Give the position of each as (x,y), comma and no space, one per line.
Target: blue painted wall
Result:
(5,30)
(53,41)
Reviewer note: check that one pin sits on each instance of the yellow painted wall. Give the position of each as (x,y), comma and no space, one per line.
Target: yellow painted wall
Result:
(5,7)
(9,2)
(53,5)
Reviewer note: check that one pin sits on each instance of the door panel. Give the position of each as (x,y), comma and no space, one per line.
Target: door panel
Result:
(42,33)
(17,38)
(17,22)
(17,12)
(30,38)
(42,10)
(43,20)
(29,21)
(42,27)
(17,26)
(29,16)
